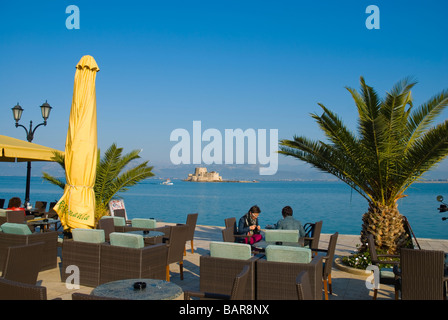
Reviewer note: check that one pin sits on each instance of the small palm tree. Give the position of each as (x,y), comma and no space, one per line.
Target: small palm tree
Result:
(395,145)
(110,176)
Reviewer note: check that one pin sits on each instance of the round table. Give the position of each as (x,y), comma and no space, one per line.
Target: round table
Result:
(43,223)
(154,290)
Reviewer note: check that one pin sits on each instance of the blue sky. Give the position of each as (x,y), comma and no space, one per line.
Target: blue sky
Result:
(230,64)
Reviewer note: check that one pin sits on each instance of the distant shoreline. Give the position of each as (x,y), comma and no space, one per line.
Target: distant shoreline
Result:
(232,181)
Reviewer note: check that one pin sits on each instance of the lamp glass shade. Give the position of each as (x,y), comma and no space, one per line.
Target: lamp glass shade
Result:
(17,112)
(45,108)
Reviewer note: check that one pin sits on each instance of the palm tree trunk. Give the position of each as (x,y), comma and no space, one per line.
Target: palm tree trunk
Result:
(386,225)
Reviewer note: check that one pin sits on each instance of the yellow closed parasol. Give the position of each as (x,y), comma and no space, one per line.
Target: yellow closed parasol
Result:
(76,208)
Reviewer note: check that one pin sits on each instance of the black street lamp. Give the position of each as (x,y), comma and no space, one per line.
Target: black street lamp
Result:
(17,113)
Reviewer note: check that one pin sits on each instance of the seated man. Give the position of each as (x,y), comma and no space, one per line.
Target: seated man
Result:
(289,223)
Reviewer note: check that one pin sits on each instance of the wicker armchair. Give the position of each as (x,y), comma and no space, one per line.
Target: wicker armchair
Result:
(23,263)
(304,291)
(13,290)
(119,262)
(15,216)
(387,275)
(84,252)
(277,280)
(108,226)
(50,238)
(238,289)
(217,273)
(422,274)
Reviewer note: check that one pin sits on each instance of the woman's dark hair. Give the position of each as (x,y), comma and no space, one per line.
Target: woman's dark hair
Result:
(255,209)
(14,202)
(287,211)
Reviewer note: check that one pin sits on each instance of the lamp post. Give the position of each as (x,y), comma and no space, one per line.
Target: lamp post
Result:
(17,113)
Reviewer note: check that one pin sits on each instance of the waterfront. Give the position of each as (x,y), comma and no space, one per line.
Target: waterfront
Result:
(330,201)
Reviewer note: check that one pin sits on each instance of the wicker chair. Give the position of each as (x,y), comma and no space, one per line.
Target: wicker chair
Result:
(23,263)
(84,252)
(387,275)
(218,273)
(118,262)
(13,290)
(228,235)
(108,226)
(176,247)
(422,274)
(15,216)
(40,207)
(192,218)
(231,223)
(238,289)
(49,254)
(328,264)
(304,291)
(276,280)
(312,235)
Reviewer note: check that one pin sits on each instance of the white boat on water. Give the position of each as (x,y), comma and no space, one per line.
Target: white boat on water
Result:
(167,182)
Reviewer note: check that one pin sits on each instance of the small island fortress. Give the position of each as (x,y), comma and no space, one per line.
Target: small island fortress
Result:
(201,175)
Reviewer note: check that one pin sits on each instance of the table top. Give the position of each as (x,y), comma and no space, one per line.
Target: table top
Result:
(154,290)
(263,244)
(41,221)
(147,233)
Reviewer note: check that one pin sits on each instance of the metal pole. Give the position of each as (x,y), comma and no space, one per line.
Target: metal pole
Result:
(28,178)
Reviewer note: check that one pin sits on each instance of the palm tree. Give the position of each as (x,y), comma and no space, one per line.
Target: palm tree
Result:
(110,177)
(394,146)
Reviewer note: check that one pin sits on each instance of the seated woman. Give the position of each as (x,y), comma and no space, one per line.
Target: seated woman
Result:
(248,225)
(14,204)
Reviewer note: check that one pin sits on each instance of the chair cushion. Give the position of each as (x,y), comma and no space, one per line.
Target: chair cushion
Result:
(230,250)
(143,223)
(126,240)
(118,221)
(281,235)
(288,254)
(88,235)
(16,228)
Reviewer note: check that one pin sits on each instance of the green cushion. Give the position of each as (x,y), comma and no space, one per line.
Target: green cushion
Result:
(230,250)
(281,235)
(126,240)
(16,228)
(288,254)
(88,235)
(118,221)
(143,223)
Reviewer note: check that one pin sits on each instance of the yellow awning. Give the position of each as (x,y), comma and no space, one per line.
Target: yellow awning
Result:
(12,150)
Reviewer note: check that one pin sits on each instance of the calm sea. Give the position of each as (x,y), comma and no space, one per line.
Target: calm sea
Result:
(333,202)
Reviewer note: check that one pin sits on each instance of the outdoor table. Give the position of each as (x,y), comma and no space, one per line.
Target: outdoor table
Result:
(144,289)
(43,223)
(149,236)
(261,245)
